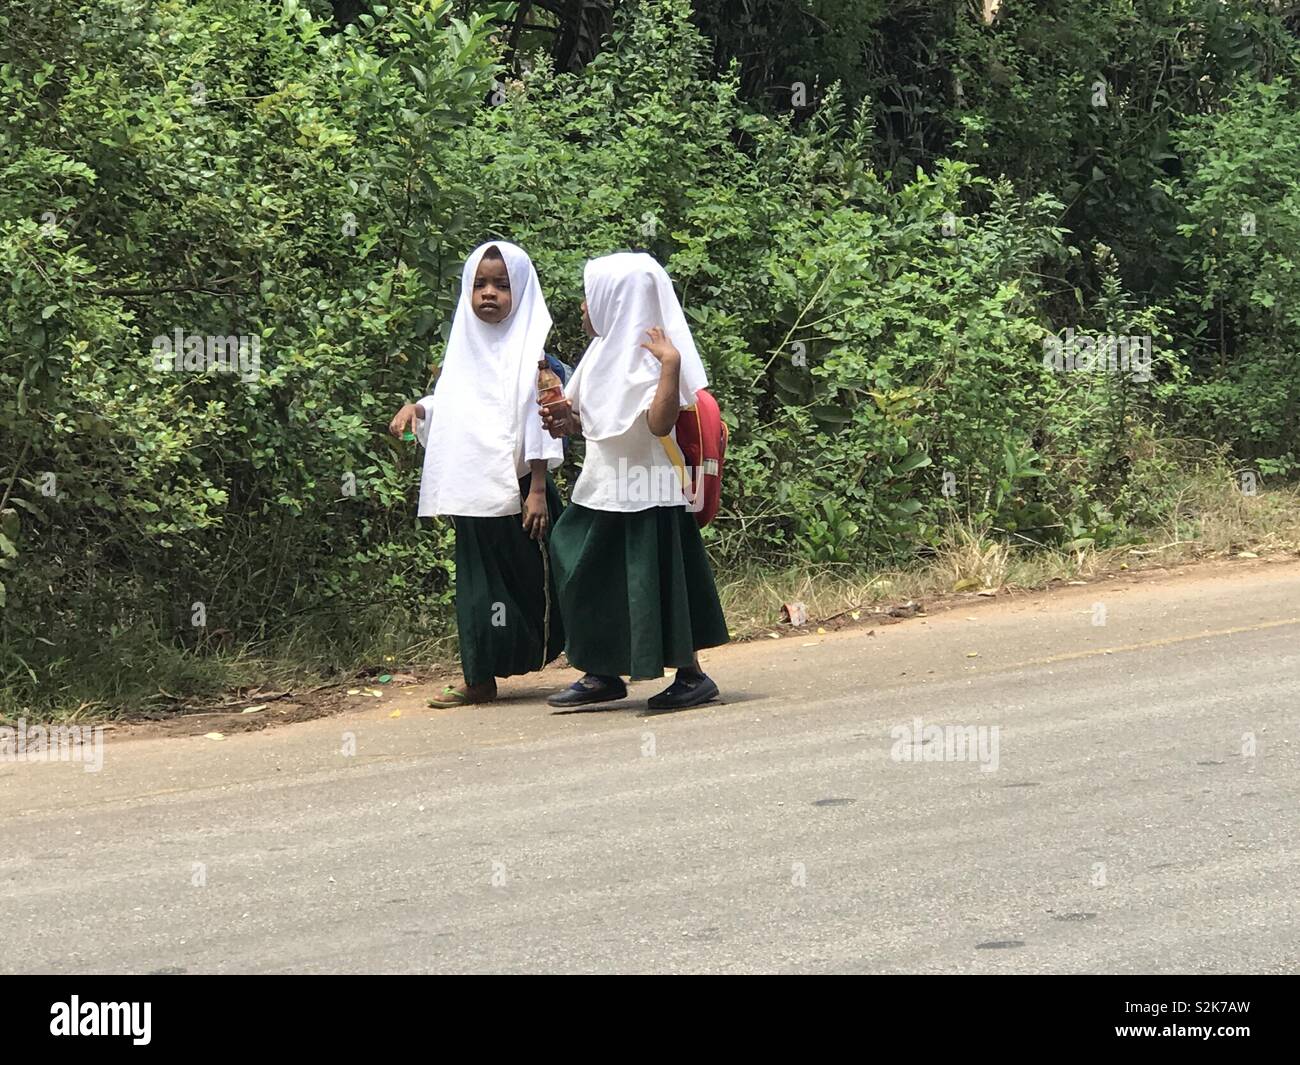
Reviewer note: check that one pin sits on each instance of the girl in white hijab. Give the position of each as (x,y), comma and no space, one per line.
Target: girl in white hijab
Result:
(634,582)
(486,463)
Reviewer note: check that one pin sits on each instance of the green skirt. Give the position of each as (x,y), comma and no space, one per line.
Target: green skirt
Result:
(636,590)
(505,595)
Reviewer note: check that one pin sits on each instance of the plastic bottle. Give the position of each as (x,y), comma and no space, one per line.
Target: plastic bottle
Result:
(549,388)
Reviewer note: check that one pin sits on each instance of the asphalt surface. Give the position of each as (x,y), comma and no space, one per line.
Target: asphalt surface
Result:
(1137,810)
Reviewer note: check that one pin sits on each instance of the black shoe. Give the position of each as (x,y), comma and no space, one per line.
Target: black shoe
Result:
(590,689)
(683,693)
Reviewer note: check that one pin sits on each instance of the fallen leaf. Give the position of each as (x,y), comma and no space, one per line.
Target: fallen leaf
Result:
(213,736)
(972,654)
(1247,554)
(856,615)
(252,710)
(396,713)
(354,691)
(774,635)
(821,631)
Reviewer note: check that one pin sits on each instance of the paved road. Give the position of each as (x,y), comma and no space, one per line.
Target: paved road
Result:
(1113,824)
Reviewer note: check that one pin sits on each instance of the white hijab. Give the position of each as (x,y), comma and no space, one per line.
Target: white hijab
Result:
(481,424)
(616,379)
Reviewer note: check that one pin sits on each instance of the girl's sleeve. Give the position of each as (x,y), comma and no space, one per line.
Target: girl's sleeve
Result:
(539,444)
(422,424)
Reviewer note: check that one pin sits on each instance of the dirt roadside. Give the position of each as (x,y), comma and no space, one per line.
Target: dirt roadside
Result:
(409,688)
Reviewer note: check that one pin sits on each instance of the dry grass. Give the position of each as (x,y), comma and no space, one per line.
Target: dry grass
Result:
(1211,518)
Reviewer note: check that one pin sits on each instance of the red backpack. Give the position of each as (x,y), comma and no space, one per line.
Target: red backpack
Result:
(702,437)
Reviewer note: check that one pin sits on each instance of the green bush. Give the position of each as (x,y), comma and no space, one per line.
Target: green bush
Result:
(1240,291)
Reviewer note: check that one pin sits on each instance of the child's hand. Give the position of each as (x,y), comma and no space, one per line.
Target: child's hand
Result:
(662,348)
(404,420)
(536,515)
(558,418)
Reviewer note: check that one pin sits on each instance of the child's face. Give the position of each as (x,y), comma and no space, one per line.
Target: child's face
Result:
(491,296)
(587,327)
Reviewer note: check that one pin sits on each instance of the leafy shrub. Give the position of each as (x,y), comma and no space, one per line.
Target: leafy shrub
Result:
(1240,292)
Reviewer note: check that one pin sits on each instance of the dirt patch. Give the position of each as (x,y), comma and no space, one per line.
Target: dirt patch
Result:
(254,710)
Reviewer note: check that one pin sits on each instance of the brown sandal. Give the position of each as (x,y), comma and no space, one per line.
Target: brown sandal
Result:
(451,697)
